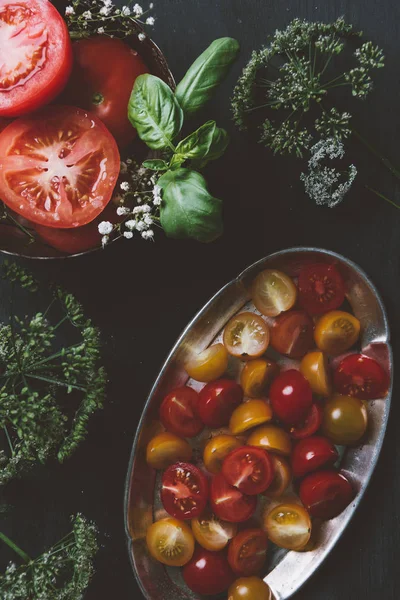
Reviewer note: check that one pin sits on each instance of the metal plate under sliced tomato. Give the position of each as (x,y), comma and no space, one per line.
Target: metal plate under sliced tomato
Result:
(58,167)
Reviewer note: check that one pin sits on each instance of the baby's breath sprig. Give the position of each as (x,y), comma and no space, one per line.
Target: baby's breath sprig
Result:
(89,17)
(63,572)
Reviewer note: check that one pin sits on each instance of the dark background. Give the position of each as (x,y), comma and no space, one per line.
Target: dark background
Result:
(142,295)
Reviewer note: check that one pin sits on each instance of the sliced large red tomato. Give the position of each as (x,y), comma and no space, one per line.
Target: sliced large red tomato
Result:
(58,167)
(321,288)
(36,55)
(102,79)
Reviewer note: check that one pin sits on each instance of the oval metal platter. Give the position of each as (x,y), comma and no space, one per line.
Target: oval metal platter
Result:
(285,571)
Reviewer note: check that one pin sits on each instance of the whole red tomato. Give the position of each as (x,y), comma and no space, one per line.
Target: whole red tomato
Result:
(208,573)
(291,397)
(102,79)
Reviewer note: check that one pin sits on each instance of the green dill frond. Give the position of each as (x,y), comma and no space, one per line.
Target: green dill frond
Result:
(18,274)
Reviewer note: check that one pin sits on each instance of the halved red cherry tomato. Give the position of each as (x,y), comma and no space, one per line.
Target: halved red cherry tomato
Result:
(36,55)
(248,468)
(311,423)
(184,491)
(291,397)
(292,334)
(208,573)
(311,454)
(247,552)
(217,449)
(58,167)
(326,494)
(102,79)
(246,336)
(178,412)
(217,401)
(228,503)
(360,376)
(321,288)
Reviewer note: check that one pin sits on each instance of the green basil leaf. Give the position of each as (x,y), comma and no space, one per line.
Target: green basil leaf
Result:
(188,210)
(156,164)
(154,111)
(206,143)
(205,74)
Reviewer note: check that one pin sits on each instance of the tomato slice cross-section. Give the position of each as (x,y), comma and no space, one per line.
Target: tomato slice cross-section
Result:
(184,491)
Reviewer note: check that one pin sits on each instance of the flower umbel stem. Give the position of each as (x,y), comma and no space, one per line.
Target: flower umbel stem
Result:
(380,195)
(25,557)
(385,161)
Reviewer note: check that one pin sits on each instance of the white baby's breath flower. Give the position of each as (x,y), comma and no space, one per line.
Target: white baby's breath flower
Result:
(101,30)
(122,210)
(138,10)
(69,11)
(140,226)
(148,219)
(137,210)
(142,37)
(151,5)
(146,208)
(125,11)
(150,21)
(104,240)
(131,224)
(148,235)
(87,15)
(105,11)
(105,227)
(125,186)
(128,235)
(107,3)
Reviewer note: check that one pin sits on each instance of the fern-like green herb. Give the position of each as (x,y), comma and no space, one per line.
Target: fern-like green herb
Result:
(38,378)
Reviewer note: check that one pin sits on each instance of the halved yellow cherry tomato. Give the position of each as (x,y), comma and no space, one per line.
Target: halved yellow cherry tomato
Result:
(249,588)
(257,375)
(216,450)
(288,526)
(336,332)
(209,364)
(246,336)
(249,414)
(314,367)
(167,448)
(273,292)
(272,438)
(282,477)
(212,533)
(171,542)
(345,419)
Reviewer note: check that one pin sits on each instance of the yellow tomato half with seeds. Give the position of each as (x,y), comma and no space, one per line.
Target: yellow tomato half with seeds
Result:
(288,526)
(336,332)
(209,364)
(212,533)
(257,375)
(170,541)
(273,292)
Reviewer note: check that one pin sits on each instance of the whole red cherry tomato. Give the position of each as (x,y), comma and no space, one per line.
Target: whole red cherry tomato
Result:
(208,573)
(360,376)
(321,288)
(325,494)
(102,79)
(178,412)
(184,491)
(292,334)
(217,401)
(291,397)
(311,454)
(248,468)
(311,423)
(229,503)
(247,552)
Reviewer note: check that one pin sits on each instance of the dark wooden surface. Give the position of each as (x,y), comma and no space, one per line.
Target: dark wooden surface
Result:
(143,294)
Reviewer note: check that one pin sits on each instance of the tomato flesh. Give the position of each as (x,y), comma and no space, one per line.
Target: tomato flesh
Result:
(292,334)
(170,541)
(321,288)
(249,469)
(326,494)
(217,401)
(208,573)
(311,423)
(36,55)
(246,336)
(312,454)
(229,503)
(178,412)
(184,491)
(360,376)
(291,397)
(247,552)
(58,167)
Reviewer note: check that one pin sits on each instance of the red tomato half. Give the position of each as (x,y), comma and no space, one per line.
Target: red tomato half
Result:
(102,79)
(249,469)
(247,552)
(360,376)
(311,423)
(228,503)
(291,397)
(184,491)
(321,288)
(178,412)
(217,401)
(293,334)
(311,454)
(208,573)
(36,55)
(58,167)
(325,494)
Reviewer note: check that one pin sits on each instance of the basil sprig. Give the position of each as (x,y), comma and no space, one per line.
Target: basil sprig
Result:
(188,210)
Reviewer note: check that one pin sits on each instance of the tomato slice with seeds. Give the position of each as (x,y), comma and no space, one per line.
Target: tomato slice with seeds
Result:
(311,423)
(246,336)
(360,376)
(170,541)
(58,167)
(321,288)
(247,552)
(229,503)
(36,55)
(184,491)
(178,412)
(249,469)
